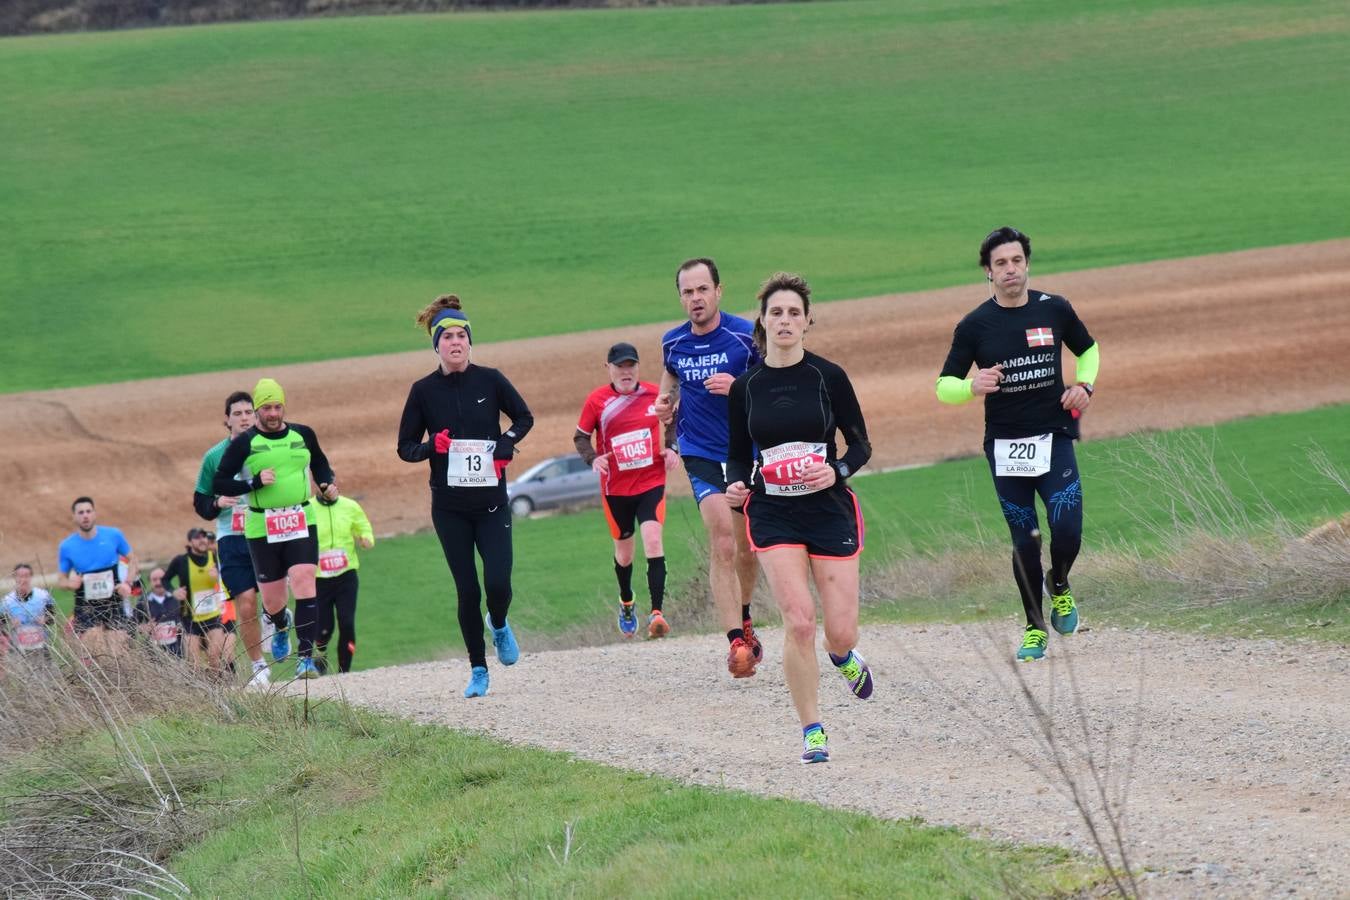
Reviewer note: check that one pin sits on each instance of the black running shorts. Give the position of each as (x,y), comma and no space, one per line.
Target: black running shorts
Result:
(828,524)
(271,562)
(95,613)
(620,512)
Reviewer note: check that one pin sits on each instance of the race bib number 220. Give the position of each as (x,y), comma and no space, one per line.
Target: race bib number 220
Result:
(1022,457)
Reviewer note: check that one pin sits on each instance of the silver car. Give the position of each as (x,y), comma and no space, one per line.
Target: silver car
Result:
(557,481)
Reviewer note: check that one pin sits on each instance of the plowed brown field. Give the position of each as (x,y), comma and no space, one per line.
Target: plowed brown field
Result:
(1184,342)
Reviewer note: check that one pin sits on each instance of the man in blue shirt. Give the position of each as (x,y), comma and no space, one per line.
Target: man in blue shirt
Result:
(702,358)
(89,566)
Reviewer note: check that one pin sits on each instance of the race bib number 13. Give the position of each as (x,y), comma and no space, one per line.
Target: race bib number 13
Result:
(469,464)
(784,467)
(1022,457)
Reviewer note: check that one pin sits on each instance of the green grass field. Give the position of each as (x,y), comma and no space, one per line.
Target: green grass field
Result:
(365,806)
(327,177)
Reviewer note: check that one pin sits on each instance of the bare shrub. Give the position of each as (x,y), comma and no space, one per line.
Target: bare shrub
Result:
(1212,545)
(100,823)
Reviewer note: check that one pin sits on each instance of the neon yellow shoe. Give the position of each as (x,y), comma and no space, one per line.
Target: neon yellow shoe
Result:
(1033,645)
(815,746)
(1063,612)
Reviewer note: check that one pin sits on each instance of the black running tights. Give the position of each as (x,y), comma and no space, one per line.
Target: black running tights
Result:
(488,531)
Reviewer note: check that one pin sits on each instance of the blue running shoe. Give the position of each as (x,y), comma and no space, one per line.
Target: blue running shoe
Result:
(508,651)
(627,620)
(305,668)
(858,675)
(1033,645)
(281,640)
(815,747)
(1063,612)
(478,683)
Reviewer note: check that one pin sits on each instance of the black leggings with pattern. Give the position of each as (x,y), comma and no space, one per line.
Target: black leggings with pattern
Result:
(1061,492)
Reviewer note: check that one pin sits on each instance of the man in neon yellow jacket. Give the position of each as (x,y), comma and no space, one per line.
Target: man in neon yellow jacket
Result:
(343,527)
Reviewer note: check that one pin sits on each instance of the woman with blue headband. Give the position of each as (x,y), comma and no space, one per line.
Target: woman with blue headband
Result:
(452,419)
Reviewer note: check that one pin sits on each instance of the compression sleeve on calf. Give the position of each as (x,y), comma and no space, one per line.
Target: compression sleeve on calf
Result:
(951,389)
(1086,364)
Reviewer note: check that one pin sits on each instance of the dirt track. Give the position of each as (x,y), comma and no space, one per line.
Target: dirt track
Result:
(1226,760)
(1183,342)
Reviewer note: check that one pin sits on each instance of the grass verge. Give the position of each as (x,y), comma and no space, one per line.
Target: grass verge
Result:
(251,798)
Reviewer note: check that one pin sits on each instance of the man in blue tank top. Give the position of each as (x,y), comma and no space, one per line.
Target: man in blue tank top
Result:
(702,357)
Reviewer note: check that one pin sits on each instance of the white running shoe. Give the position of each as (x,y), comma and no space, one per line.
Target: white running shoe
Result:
(261,679)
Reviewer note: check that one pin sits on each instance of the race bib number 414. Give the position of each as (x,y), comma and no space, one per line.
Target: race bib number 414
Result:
(784,467)
(1022,457)
(469,464)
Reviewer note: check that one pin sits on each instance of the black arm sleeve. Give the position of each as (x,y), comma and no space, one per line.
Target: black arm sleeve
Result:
(961,355)
(582,441)
(1076,336)
(740,449)
(318,461)
(231,464)
(176,573)
(510,402)
(411,447)
(848,418)
(205,506)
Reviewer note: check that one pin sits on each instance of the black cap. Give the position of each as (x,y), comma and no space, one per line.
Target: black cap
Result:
(622,352)
(197,532)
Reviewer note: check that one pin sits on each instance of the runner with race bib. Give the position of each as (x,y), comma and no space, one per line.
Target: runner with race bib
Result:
(701,359)
(1014,340)
(802,520)
(90,565)
(632,465)
(193,578)
(26,614)
(452,420)
(280,458)
(230,511)
(159,616)
(343,527)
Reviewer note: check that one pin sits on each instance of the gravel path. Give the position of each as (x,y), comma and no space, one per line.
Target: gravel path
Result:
(1229,758)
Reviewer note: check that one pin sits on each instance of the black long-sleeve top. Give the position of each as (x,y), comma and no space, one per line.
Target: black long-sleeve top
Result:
(470,404)
(811,400)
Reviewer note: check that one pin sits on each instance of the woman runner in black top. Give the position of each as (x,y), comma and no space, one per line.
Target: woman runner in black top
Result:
(457,409)
(803,521)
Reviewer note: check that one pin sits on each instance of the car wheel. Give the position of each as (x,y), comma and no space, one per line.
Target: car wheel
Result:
(522,507)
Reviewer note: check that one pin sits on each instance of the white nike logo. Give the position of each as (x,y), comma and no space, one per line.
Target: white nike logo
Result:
(481,399)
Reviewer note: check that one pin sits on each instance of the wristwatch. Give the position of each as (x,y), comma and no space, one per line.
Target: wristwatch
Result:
(1086,386)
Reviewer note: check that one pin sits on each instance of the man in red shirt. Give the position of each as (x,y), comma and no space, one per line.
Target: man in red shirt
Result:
(632,463)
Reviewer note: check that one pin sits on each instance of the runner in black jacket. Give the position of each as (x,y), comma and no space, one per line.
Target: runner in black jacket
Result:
(453,418)
(803,522)
(1014,340)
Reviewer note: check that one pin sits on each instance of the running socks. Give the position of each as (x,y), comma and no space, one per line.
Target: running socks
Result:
(840,660)
(656,580)
(279,620)
(745,612)
(625,576)
(814,726)
(306,623)
(735,634)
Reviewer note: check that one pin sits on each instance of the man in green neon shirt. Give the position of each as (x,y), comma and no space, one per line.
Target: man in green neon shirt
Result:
(282,539)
